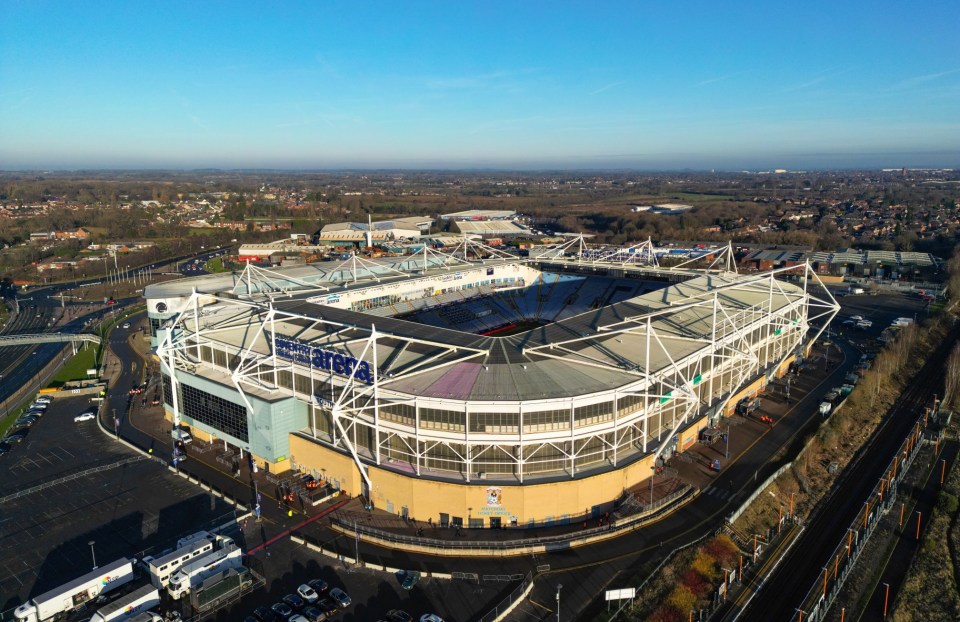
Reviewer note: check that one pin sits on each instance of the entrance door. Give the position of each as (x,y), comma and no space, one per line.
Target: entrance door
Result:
(494,522)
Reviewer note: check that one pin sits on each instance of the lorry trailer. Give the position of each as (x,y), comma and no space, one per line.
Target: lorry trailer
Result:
(76,593)
(192,574)
(136,602)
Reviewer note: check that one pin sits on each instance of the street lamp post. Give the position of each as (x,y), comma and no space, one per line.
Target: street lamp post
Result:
(92,554)
(559,586)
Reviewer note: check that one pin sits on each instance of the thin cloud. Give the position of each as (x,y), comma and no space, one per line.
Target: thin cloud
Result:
(817,78)
(607,87)
(477,81)
(922,79)
(717,79)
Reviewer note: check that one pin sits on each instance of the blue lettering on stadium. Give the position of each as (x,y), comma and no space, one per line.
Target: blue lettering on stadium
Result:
(324,359)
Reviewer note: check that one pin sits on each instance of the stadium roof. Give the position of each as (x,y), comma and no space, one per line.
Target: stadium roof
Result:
(509,368)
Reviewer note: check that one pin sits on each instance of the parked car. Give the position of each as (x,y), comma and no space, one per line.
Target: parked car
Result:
(15,437)
(831,395)
(44,399)
(126,325)
(295,601)
(308,594)
(282,610)
(297,618)
(314,614)
(398,615)
(86,415)
(341,597)
(328,605)
(319,585)
(265,614)
(25,421)
(410,579)
(430,617)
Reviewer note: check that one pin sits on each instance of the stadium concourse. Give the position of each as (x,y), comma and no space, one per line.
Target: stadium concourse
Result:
(474,387)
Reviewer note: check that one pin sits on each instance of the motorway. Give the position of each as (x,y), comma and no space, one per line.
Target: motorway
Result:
(789,583)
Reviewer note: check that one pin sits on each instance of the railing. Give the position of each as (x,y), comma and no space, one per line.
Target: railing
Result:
(844,557)
(568,539)
(506,605)
(70,478)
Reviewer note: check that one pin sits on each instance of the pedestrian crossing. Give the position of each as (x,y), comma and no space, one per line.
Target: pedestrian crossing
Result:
(719,493)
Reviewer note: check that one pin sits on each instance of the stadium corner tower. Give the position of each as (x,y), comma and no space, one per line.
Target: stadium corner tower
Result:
(491,389)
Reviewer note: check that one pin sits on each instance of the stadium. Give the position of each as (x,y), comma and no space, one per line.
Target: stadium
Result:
(473,386)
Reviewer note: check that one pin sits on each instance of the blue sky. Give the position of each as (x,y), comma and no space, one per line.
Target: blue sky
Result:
(323,84)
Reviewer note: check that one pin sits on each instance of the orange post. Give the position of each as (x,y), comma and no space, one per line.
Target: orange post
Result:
(836,566)
(741,569)
(886,599)
(901,514)
(791,505)
(779,518)
(918,525)
(866,513)
(936,444)
(849,541)
(843,611)
(943,470)
(691,615)
(825,575)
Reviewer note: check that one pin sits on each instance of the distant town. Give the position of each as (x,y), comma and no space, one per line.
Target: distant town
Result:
(57,226)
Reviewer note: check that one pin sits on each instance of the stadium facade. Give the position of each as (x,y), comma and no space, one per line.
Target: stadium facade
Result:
(472,386)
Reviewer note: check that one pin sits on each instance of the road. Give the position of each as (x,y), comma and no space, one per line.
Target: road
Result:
(800,568)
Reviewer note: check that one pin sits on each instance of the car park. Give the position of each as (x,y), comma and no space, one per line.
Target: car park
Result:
(307,593)
(341,597)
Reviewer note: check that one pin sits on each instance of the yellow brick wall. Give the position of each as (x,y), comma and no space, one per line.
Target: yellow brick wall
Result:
(428,498)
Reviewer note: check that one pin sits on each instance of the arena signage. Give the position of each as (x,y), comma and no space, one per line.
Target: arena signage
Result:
(324,359)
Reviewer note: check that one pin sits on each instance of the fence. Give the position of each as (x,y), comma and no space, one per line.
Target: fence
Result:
(512,547)
(506,605)
(70,478)
(844,557)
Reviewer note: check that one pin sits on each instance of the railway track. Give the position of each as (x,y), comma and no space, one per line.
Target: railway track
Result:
(789,583)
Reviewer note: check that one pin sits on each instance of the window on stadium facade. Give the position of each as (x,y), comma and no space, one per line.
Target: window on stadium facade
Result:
(213,411)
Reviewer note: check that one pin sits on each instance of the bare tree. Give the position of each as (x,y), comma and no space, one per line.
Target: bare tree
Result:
(951,389)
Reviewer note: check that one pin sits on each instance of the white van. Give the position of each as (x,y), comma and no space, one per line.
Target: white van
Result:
(902,321)
(181,435)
